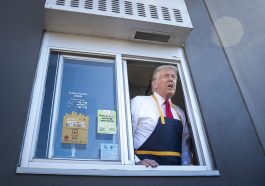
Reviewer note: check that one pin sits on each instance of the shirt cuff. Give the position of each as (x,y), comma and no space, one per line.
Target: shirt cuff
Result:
(136,159)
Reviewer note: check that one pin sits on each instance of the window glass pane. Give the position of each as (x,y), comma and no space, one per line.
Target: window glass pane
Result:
(42,144)
(87,87)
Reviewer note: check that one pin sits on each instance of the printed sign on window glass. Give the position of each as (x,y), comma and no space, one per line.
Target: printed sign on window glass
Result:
(75,128)
(109,151)
(107,122)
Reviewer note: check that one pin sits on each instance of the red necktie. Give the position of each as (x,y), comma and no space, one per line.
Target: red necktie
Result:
(168,110)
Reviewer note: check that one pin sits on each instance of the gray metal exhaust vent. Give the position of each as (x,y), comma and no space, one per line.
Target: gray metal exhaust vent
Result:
(141,9)
(156,21)
(74,3)
(166,14)
(133,8)
(177,15)
(102,5)
(60,2)
(115,6)
(155,37)
(128,8)
(153,11)
(88,4)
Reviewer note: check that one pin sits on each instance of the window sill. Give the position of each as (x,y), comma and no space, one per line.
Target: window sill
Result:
(129,170)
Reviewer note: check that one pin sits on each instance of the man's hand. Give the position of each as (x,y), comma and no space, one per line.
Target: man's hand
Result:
(147,163)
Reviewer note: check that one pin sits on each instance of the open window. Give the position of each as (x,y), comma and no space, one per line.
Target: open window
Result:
(79,120)
(139,81)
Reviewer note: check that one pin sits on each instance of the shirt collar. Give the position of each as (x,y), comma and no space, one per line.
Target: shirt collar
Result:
(160,99)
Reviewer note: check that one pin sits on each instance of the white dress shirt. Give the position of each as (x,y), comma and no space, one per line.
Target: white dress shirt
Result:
(145,115)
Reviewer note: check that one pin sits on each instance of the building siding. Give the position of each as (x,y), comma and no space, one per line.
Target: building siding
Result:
(235,146)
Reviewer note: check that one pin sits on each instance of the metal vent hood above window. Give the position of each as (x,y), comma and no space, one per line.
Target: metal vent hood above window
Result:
(157,21)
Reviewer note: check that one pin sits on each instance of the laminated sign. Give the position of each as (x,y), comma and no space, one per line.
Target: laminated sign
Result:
(109,151)
(75,128)
(107,122)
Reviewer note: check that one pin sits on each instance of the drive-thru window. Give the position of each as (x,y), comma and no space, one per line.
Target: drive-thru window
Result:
(95,56)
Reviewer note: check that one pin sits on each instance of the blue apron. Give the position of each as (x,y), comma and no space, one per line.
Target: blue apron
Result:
(165,142)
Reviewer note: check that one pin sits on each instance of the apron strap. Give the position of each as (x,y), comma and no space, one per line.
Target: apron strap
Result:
(160,110)
(157,153)
(175,107)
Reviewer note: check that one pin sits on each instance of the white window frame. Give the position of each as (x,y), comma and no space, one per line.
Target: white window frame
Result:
(120,51)
(56,101)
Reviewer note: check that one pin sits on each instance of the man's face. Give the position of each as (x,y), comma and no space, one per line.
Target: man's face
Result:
(165,84)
